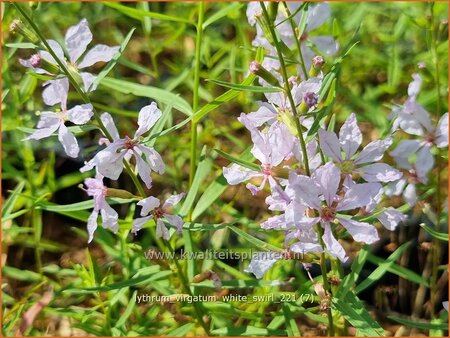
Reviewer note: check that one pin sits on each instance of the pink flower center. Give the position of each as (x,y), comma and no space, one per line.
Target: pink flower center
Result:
(267,169)
(304,37)
(129,143)
(158,212)
(412,177)
(328,214)
(430,138)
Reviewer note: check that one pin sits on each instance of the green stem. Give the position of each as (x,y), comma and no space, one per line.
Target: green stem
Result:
(297,40)
(287,89)
(195,99)
(80,91)
(184,282)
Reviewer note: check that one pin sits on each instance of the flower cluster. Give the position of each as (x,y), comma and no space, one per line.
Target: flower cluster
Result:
(415,156)
(332,187)
(108,162)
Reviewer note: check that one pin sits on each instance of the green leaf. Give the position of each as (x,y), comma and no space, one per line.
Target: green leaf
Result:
(119,285)
(21,45)
(247,331)
(124,316)
(140,14)
(434,233)
(154,93)
(221,13)
(400,271)
(241,87)
(239,161)
(20,274)
(228,95)
(419,324)
(181,331)
(113,61)
(354,311)
(10,202)
(215,189)
(203,169)
(255,241)
(291,325)
(356,268)
(382,268)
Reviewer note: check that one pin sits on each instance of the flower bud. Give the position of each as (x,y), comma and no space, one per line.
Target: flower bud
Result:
(310,100)
(316,66)
(37,61)
(111,192)
(17,26)
(73,71)
(257,69)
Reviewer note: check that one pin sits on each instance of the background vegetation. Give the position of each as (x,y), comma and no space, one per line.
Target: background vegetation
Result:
(93,287)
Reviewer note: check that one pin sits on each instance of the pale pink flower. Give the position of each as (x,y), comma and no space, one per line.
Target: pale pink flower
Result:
(98,190)
(151,205)
(76,40)
(270,147)
(319,192)
(109,161)
(343,149)
(51,122)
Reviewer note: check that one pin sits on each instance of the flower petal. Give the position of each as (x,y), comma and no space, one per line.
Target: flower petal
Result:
(333,246)
(424,163)
(318,13)
(395,188)
(303,189)
(80,114)
(379,172)
(109,218)
(404,150)
(77,38)
(442,132)
(47,126)
(329,143)
(325,44)
(265,113)
(92,225)
(359,195)
(161,230)
(236,174)
(390,218)
(109,161)
(88,80)
(277,222)
(148,116)
(68,141)
(148,204)
(261,262)
(327,178)
(110,126)
(361,232)
(175,220)
(410,195)
(100,53)
(144,170)
(173,200)
(350,136)
(138,223)
(374,151)
(414,86)
(55,91)
(153,158)
(56,48)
